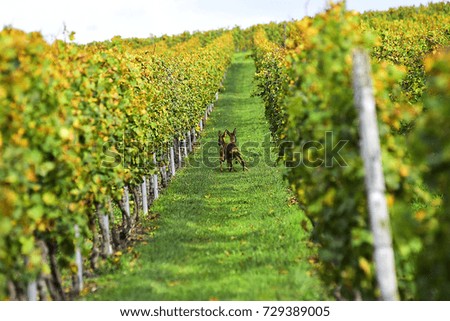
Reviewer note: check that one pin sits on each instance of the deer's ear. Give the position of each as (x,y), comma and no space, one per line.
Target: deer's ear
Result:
(220,133)
(226,131)
(234,131)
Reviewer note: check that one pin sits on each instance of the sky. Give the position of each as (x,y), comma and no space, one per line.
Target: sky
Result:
(95,20)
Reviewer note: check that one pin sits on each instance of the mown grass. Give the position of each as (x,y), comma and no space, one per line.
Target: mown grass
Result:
(226,236)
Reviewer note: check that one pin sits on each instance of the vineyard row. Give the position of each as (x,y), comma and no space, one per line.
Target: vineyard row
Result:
(86,132)
(306,85)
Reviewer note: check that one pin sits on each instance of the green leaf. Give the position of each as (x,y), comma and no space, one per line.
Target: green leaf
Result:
(49,198)
(36,212)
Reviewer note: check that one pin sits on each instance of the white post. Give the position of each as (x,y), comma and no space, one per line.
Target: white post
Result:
(164,172)
(155,181)
(164,175)
(172,161)
(126,196)
(32,292)
(185,152)
(374,179)
(194,138)
(179,154)
(217,96)
(144,195)
(105,219)
(201,125)
(206,114)
(188,136)
(155,186)
(78,260)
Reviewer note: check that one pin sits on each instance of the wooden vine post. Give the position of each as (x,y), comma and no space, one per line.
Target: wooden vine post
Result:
(163,172)
(32,291)
(78,261)
(374,179)
(144,195)
(185,152)
(155,180)
(178,148)
(189,141)
(172,161)
(194,137)
(126,200)
(103,220)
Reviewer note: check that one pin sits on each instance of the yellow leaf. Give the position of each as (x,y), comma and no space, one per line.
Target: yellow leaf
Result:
(49,198)
(365,266)
(404,171)
(436,202)
(420,215)
(64,133)
(41,226)
(73,268)
(390,200)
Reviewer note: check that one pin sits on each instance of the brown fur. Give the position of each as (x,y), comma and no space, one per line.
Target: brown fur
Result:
(223,147)
(231,152)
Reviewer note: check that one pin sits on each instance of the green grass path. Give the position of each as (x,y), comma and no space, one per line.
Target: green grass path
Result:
(225,236)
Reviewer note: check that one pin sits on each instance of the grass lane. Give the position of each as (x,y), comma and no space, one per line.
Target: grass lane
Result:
(225,236)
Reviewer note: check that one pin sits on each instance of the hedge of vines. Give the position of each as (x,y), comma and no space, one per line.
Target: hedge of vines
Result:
(314,112)
(431,149)
(78,123)
(405,36)
(271,79)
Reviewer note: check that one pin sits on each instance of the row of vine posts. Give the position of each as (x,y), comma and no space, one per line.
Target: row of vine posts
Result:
(165,163)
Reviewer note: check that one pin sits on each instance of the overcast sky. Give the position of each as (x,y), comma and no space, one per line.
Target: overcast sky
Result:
(101,20)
